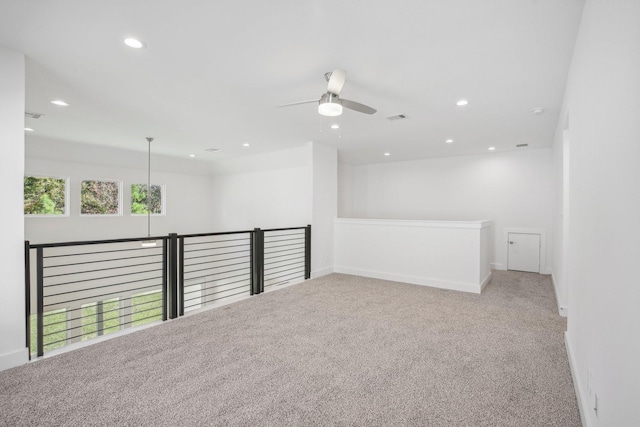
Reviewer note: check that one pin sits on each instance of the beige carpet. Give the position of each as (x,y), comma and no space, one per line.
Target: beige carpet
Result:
(339,350)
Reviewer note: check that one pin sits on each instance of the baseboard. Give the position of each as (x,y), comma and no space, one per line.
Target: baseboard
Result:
(485,282)
(583,403)
(13,359)
(323,272)
(562,310)
(498,266)
(414,280)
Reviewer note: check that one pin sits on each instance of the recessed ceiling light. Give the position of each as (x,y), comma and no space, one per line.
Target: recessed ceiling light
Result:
(192,155)
(492,148)
(462,103)
(134,43)
(538,110)
(28,129)
(387,154)
(335,126)
(60,103)
(246,144)
(449,141)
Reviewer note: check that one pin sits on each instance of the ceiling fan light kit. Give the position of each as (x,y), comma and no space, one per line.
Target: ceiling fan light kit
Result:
(330,105)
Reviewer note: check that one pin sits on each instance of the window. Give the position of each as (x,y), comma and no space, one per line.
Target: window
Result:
(54,333)
(100,198)
(100,318)
(45,196)
(139,199)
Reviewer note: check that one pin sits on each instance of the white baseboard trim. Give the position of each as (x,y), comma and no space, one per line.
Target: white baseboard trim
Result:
(323,272)
(583,402)
(498,266)
(13,359)
(414,280)
(485,282)
(562,310)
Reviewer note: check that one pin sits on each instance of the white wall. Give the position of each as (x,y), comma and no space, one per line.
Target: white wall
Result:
(13,350)
(325,207)
(187,202)
(270,190)
(442,254)
(560,233)
(603,335)
(514,189)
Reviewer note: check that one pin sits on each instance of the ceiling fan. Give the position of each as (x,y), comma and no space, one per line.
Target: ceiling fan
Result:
(330,103)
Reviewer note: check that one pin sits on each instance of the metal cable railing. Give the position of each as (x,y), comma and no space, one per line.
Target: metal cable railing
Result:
(214,267)
(94,288)
(84,290)
(284,256)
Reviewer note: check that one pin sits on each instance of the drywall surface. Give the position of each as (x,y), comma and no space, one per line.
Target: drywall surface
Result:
(513,189)
(247,193)
(325,207)
(13,350)
(603,335)
(443,254)
(187,202)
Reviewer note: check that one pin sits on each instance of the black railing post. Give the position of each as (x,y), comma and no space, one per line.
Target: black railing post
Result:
(165,268)
(252,270)
(257,261)
(307,252)
(27,293)
(261,260)
(181,275)
(40,295)
(173,276)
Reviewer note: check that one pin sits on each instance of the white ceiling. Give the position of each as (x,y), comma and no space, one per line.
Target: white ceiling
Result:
(213,72)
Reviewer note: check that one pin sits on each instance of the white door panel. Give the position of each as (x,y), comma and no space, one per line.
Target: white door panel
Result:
(524,252)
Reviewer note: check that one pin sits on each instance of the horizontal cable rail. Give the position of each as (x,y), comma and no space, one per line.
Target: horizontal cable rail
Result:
(74,302)
(81,290)
(284,256)
(213,267)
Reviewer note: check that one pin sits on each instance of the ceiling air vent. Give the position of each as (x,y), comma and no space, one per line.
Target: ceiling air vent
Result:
(212,150)
(33,115)
(522,145)
(396,117)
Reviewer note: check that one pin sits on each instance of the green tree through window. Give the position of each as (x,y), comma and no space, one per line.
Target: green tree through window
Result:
(139,199)
(100,198)
(44,196)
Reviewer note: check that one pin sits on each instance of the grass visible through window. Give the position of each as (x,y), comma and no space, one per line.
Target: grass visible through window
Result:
(139,310)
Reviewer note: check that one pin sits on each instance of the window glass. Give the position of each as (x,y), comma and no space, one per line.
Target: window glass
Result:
(44,195)
(100,198)
(139,199)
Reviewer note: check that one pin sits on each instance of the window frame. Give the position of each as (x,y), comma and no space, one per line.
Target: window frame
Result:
(120,198)
(67,198)
(163,198)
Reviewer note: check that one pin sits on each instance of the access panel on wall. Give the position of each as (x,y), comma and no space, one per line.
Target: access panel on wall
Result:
(524,252)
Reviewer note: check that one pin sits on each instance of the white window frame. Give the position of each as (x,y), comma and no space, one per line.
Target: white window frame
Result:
(67,198)
(163,199)
(120,189)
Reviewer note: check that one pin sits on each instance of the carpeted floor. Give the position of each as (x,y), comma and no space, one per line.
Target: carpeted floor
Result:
(338,350)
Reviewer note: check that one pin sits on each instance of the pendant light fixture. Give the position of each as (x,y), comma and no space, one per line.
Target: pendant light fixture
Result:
(148,243)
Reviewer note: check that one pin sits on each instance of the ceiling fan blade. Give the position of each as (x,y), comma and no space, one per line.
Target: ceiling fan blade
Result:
(298,103)
(356,106)
(336,81)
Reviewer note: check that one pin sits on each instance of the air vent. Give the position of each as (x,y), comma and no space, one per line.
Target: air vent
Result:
(522,145)
(397,117)
(33,115)
(212,150)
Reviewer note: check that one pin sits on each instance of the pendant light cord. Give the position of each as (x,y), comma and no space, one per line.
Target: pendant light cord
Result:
(148,187)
